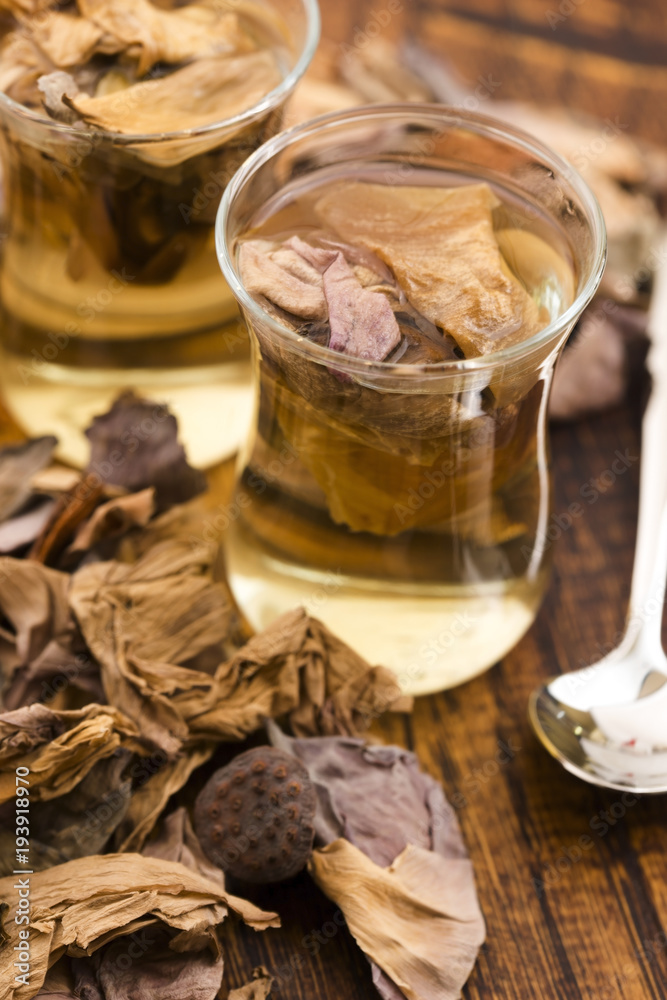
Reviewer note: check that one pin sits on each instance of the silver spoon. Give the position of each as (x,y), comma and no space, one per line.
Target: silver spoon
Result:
(607,723)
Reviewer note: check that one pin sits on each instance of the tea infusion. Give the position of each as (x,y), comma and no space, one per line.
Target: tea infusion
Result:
(403,486)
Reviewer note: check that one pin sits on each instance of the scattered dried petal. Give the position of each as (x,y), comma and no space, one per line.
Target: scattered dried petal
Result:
(418,920)
(375,796)
(298,669)
(39,634)
(147,623)
(60,748)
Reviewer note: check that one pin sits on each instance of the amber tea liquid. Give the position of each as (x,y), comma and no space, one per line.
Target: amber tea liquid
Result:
(412,521)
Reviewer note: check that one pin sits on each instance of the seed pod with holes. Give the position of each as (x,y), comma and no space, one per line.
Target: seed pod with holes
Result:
(254,817)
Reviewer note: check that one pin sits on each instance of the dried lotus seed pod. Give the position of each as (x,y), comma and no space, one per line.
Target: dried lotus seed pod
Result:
(254,817)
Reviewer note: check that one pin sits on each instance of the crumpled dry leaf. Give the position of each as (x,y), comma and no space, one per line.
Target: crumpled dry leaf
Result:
(68,40)
(298,669)
(76,824)
(135,445)
(39,640)
(439,242)
(152,795)
(149,624)
(18,464)
(376,797)
(114,518)
(85,904)
(258,989)
(224,88)
(159,973)
(167,36)
(60,748)
(418,919)
(22,62)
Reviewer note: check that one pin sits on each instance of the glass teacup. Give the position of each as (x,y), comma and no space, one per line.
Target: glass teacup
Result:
(405,504)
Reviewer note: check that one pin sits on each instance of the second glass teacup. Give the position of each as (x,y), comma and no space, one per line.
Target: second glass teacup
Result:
(399,487)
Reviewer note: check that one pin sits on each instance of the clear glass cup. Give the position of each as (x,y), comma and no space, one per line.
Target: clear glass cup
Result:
(406,506)
(108,276)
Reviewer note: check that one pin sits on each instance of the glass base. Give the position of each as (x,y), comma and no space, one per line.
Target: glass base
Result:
(432,637)
(213,404)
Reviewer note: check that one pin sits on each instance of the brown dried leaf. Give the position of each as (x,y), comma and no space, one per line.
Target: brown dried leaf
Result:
(114,518)
(298,669)
(152,795)
(147,624)
(18,464)
(22,62)
(177,841)
(418,920)
(135,445)
(67,40)
(439,242)
(72,509)
(85,904)
(168,36)
(224,88)
(78,823)
(60,748)
(39,638)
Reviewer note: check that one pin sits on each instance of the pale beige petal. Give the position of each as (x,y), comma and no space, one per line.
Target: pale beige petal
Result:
(206,91)
(418,920)
(440,244)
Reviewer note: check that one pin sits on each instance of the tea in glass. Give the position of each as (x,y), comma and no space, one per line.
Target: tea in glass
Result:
(121,124)
(405,318)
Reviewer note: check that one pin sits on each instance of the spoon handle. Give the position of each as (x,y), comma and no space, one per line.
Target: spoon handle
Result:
(650,567)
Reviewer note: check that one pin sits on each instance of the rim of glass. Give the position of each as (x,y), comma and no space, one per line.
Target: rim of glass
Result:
(482,124)
(267,103)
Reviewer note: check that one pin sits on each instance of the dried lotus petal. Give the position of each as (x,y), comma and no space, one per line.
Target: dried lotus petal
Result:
(440,244)
(168,36)
(224,88)
(67,40)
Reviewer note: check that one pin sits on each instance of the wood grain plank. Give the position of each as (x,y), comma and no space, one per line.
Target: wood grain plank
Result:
(551,70)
